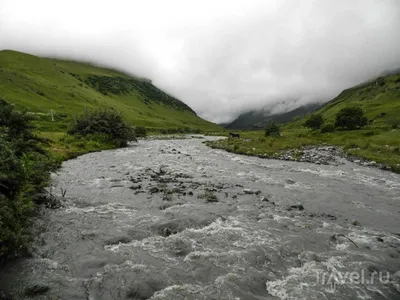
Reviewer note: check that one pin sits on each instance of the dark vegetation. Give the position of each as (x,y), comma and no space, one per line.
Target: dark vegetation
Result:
(122,85)
(140,131)
(25,166)
(106,122)
(351,118)
(180,130)
(272,129)
(314,122)
(348,118)
(259,119)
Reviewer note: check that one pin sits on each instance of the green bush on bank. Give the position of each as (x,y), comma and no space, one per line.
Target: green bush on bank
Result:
(24,171)
(272,129)
(106,122)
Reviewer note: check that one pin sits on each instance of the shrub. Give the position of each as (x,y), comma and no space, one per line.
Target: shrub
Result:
(314,122)
(272,129)
(351,118)
(328,128)
(103,121)
(395,124)
(140,131)
(24,171)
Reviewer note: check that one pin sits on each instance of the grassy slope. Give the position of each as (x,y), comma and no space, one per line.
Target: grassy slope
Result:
(41,85)
(375,97)
(378,141)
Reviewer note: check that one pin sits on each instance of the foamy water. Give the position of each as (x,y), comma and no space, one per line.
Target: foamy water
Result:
(136,224)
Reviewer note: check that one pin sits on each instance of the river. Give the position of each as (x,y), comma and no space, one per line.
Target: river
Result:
(175,219)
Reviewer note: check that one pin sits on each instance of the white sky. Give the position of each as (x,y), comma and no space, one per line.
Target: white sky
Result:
(220,57)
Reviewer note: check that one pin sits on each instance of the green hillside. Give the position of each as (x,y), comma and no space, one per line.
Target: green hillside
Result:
(57,90)
(379,141)
(380,99)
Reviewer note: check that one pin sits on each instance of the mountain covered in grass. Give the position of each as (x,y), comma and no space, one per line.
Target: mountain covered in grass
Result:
(257,119)
(379,99)
(55,91)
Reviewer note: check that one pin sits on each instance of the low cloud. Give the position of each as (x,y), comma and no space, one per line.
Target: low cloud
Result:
(219,57)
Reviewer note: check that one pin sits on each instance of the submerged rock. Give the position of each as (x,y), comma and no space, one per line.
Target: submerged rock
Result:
(299,207)
(35,290)
(164,206)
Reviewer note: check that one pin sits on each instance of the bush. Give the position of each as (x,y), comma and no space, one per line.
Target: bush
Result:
(314,122)
(272,129)
(140,131)
(395,124)
(103,121)
(24,171)
(328,128)
(351,118)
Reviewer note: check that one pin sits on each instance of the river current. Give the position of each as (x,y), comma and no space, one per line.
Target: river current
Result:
(175,219)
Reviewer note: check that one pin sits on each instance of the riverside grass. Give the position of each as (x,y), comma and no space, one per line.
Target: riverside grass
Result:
(380,145)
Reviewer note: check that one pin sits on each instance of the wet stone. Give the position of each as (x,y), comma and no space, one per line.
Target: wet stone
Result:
(164,206)
(299,207)
(136,187)
(118,240)
(143,290)
(35,290)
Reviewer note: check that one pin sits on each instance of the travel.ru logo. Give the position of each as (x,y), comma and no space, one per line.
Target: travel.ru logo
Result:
(337,278)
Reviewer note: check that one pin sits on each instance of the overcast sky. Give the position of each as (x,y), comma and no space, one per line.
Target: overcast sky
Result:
(220,57)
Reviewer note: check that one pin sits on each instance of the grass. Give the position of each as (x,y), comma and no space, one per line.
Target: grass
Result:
(63,146)
(380,100)
(380,145)
(379,141)
(54,91)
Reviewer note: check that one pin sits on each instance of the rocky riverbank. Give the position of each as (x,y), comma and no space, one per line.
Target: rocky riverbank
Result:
(326,155)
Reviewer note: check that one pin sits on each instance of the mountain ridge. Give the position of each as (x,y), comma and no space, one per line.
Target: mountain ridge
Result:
(56,90)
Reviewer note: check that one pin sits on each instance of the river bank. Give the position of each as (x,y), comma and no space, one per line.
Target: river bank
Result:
(378,150)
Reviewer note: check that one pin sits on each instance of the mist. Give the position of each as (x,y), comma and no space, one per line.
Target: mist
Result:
(220,57)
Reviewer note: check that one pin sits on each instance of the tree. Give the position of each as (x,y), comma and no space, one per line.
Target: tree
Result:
(272,129)
(351,118)
(314,122)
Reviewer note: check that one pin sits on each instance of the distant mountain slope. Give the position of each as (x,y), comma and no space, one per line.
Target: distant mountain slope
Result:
(380,99)
(56,90)
(258,119)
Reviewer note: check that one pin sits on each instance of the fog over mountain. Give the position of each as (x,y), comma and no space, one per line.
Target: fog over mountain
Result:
(220,57)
